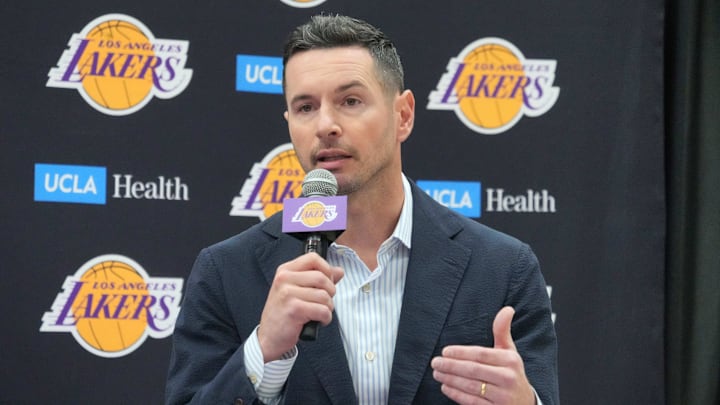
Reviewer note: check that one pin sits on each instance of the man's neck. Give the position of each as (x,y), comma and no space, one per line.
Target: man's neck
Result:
(372,218)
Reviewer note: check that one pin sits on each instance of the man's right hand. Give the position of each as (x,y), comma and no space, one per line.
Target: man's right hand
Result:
(302,291)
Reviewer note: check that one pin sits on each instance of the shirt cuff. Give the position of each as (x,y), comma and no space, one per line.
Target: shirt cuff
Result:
(267,378)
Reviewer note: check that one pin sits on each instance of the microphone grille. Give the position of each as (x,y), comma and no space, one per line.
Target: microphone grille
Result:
(319,183)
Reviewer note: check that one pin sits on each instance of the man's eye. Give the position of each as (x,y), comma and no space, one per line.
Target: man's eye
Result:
(352,101)
(305,108)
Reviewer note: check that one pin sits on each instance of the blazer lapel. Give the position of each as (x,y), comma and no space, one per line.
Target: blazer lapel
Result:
(327,358)
(280,248)
(435,270)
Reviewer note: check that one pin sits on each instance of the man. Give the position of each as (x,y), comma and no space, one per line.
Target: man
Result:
(420,305)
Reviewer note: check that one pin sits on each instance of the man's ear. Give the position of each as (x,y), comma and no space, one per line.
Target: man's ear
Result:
(405,107)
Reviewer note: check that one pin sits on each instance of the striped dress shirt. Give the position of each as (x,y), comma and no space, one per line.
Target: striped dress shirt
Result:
(367,305)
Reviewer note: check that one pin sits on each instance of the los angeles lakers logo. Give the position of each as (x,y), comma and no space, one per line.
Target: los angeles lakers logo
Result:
(118,66)
(314,214)
(110,306)
(303,3)
(277,177)
(491,86)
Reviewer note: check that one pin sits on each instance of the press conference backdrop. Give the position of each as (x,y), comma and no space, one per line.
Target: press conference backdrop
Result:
(134,133)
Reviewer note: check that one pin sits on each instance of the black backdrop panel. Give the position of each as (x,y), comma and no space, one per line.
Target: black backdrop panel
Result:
(582,182)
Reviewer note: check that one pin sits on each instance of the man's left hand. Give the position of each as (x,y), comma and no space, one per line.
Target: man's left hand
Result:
(484,375)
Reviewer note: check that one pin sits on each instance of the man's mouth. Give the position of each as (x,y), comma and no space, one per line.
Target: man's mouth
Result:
(331,156)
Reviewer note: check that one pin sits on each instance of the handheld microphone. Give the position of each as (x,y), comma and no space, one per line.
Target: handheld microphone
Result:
(318,217)
(317,183)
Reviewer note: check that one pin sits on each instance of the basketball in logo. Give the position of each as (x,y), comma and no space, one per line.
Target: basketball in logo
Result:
(277,177)
(104,321)
(303,3)
(482,105)
(313,214)
(118,92)
(284,178)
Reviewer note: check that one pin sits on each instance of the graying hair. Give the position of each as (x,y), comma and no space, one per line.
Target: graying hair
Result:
(331,31)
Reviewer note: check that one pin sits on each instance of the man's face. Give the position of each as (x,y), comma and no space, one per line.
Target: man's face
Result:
(341,119)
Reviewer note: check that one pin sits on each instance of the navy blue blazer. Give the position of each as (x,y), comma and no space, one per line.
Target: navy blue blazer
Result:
(460,274)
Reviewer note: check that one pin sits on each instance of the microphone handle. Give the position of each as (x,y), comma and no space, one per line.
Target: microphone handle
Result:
(318,243)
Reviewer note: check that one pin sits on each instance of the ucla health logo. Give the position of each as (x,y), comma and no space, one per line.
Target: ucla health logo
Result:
(71,184)
(117,65)
(277,177)
(259,74)
(303,3)
(88,185)
(110,306)
(491,86)
(461,196)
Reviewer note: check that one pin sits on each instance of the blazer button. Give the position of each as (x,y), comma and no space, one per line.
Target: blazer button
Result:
(239,401)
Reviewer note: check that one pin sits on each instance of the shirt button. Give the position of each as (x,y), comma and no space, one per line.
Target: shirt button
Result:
(253,378)
(366,288)
(369,356)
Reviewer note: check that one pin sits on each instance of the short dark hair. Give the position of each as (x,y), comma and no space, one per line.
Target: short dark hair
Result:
(330,31)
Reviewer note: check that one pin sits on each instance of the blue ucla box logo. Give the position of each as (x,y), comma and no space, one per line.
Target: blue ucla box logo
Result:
(461,196)
(71,184)
(259,74)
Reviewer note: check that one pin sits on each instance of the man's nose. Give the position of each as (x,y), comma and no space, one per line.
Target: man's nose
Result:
(327,124)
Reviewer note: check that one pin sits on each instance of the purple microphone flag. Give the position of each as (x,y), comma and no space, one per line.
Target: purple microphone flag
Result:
(314,214)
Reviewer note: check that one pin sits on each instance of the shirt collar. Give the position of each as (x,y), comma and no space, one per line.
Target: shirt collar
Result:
(403,229)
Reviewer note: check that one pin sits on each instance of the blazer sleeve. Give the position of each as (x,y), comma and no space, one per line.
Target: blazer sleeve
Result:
(532,328)
(206,361)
